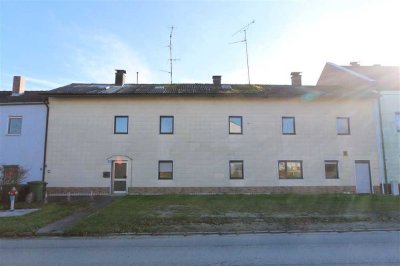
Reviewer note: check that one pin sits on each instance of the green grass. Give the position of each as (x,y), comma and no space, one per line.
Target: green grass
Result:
(172,213)
(28,224)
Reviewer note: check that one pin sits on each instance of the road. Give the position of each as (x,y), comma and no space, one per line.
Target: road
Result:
(361,248)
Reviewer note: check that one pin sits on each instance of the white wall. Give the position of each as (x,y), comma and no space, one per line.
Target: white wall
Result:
(27,149)
(81,139)
(390,104)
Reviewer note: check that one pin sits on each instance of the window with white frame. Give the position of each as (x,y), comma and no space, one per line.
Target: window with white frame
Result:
(14,125)
(343,125)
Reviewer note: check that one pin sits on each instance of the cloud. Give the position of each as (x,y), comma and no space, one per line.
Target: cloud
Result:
(96,56)
(44,83)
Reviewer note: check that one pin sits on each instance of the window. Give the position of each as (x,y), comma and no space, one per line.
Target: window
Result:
(235,125)
(288,126)
(331,169)
(290,169)
(121,125)
(343,125)
(398,121)
(10,174)
(166,125)
(14,125)
(236,169)
(165,169)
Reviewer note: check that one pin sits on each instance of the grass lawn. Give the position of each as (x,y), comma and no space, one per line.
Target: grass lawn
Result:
(28,224)
(189,213)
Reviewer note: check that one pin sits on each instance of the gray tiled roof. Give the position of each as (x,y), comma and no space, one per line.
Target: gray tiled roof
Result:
(26,97)
(206,90)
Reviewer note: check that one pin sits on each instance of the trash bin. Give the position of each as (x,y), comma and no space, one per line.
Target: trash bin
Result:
(37,188)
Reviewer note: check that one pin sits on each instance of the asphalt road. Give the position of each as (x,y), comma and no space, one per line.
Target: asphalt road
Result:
(361,248)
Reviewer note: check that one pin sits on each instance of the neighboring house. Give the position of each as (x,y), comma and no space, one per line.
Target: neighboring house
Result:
(385,80)
(210,138)
(22,131)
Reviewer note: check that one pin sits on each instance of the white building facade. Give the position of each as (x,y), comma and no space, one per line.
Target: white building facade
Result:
(160,139)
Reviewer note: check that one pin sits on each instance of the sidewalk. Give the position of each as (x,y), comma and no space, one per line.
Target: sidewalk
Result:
(57,228)
(16,212)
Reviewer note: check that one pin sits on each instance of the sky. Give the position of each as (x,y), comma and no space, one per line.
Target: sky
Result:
(55,43)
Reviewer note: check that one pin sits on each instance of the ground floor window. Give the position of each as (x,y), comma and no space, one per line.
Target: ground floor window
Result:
(165,169)
(10,174)
(331,169)
(290,169)
(236,169)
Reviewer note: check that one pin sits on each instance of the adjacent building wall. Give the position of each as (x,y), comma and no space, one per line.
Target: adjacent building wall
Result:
(390,104)
(81,140)
(27,149)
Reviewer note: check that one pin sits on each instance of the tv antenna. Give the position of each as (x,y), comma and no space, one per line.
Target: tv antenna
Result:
(170,54)
(244,30)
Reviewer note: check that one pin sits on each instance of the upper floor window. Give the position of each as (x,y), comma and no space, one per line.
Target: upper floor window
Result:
(235,125)
(121,125)
(236,169)
(290,169)
(288,126)
(398,121)
(331,169)
(165,169)
(14,125)
(343,125)
(166,125)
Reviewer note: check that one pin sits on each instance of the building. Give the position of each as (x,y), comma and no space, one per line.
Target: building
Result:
(23,116)
(386,81)
(210,138)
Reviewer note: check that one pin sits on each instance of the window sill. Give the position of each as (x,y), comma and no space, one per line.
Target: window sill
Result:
(13,134)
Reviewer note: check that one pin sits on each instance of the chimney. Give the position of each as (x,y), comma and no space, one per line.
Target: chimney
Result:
(120,77)
(296,78)
(18,85)
(217,80)
(354,64)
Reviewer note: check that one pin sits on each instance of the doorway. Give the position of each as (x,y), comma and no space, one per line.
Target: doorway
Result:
(119,177)
(363,177)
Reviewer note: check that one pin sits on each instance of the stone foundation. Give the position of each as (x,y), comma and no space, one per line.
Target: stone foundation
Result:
(88,190)
(213,190)
(242,190)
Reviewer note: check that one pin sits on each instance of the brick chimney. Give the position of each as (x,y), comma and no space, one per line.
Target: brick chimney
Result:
(296,78)
(18,85)
(216,80)
(120,77)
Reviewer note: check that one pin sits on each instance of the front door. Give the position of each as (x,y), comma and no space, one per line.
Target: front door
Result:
(119,177)
(363,177)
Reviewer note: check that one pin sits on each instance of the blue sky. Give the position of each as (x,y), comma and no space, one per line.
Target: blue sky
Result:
(54,43)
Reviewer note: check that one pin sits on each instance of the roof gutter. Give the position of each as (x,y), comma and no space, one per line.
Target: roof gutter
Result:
(46,102)
(383,145)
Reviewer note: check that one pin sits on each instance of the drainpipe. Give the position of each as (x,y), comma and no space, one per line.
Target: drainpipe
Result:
(382,143)
(46,102)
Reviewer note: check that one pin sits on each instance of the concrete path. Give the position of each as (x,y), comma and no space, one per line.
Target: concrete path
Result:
(58,227)
(16,212)
(363,248)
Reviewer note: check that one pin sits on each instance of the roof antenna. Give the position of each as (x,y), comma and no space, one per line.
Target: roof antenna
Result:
(244,29)
(170,54)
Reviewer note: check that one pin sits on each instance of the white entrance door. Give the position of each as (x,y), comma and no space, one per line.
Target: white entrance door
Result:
(363,177)
(119,176)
